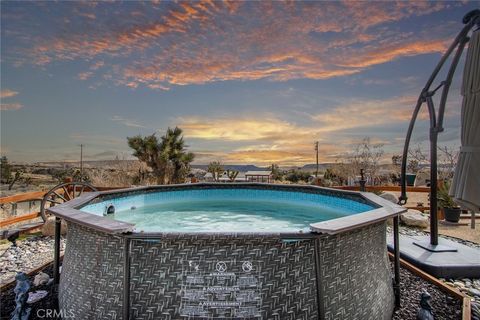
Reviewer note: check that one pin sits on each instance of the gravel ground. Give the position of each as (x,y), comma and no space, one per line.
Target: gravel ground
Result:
(470,287)
(444,306)
(35,251)
(30,253)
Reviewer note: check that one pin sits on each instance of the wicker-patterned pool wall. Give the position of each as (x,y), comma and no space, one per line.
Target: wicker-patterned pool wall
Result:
(342,276)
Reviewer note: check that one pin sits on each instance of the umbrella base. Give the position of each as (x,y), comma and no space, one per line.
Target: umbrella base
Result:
(434,248)
(462,263)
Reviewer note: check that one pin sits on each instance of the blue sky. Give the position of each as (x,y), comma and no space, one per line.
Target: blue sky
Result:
(249,82)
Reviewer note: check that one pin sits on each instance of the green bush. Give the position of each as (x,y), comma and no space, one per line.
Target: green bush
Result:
(444,200)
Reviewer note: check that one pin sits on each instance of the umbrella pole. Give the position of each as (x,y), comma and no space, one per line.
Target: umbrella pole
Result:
(433,187)
(436,125)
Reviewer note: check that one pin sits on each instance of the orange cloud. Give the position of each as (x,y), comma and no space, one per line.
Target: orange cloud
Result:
(7,93)
(389,53)
(269,140)
(269,129)
(364,113)
(208,41)
(267,157)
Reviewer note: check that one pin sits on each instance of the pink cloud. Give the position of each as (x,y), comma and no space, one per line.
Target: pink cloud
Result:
(208,41)
(84,75)
(10,106)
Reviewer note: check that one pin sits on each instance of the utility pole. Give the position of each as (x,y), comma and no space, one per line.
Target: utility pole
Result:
(81,161)
(316,149)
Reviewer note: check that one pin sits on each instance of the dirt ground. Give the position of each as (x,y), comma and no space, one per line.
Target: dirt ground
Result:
(462,231)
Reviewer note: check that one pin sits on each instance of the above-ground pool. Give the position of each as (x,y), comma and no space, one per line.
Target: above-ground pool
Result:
(227,209)
(227,251)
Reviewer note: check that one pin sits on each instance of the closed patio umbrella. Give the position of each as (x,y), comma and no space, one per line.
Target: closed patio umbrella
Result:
(465,187)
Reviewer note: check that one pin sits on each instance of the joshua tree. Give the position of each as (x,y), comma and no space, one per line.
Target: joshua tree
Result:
(276,173)
(216,169)
(178,160)
(168,158)
(232,175)
(75,174)
(6,175)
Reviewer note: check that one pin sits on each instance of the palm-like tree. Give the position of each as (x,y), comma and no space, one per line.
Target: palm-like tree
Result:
(168,158)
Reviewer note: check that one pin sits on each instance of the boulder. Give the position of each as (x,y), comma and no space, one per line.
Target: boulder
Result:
(390,197)
(414,218)
(48,228)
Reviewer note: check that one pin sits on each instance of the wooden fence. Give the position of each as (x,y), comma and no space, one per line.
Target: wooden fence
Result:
(30,197)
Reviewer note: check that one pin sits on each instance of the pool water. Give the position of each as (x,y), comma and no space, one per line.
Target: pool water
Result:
(231,216)
(226,210)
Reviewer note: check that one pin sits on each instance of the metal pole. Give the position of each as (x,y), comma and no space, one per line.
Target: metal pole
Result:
(396,262)
(81,161)
(316,149)
(56,251)
(126,280)
(318,264)
(433,188)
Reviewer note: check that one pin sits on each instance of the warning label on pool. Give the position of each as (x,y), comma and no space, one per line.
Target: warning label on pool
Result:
(221,289)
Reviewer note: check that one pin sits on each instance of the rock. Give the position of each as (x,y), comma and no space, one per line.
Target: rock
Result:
(5,246)
(17,258)
(36,296)
(41,279)
(459,284)
(415,218)
(390,197)
(48,228)
(475,310)
(474,292)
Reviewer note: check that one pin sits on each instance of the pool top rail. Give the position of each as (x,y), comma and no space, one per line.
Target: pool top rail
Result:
(382,209)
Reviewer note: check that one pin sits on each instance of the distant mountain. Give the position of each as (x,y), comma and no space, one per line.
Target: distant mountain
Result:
(86,163)
(313,166)
(236,167)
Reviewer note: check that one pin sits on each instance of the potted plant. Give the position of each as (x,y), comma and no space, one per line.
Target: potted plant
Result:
(450,209)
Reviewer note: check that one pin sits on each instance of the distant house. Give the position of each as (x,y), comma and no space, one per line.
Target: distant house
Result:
(208,177)
(258,176)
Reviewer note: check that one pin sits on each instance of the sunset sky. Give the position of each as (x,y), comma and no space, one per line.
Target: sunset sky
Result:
(249,82)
